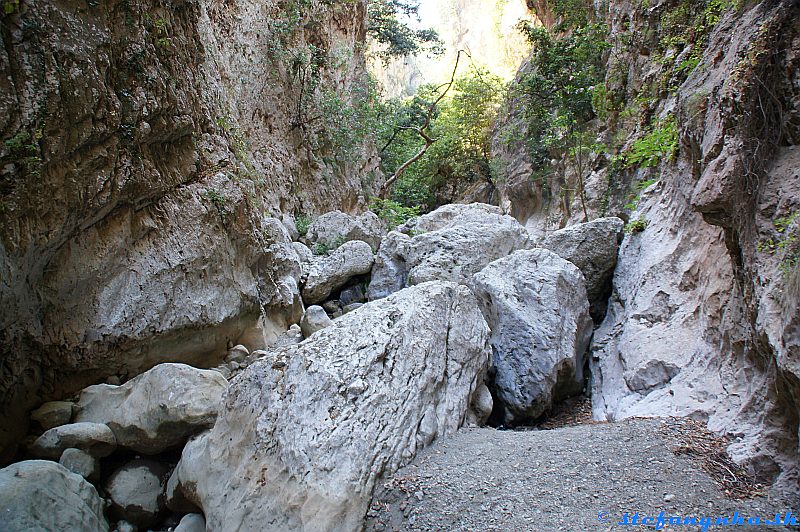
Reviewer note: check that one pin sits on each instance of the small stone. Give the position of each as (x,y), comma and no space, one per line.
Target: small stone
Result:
(81,463)
(351,307)
(124,526)
(669,497)
(314,319)
(237,354)
(114,380)
(53,414)
(192,523)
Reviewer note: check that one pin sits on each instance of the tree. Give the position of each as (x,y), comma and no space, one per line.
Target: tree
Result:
(394,37)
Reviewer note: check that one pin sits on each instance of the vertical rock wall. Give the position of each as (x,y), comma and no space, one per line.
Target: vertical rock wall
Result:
(145,146)
(703,320)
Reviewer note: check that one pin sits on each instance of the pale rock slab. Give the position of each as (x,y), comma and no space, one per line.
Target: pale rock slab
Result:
(81,463)
(315,319)
(136,491)
(450,244)
(593,248)
(535,304)
(303,439)
(328,273)
(95,438)
(333,227)
(43,495)
(157,410)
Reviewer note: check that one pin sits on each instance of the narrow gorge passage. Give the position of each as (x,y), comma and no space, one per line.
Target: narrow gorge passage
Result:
(291,265)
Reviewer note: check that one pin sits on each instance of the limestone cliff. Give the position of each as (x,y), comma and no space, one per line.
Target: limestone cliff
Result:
(704,317)
(145,146)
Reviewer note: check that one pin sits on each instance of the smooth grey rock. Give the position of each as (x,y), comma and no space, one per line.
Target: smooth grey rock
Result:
(53,414)
(389,274)
(124,526)
(136,491)
(302,445)
(43,495)
(329,273)
(352,294)
(451,215)
(94,438)
(192,523)
(158,409)
(290,226)
(293,335)
(303,252)
(351,307)
(237,354)
(536,306)
(331,306)
(315,319)
(81,463)
(482,406)
(593,248)
(456,242)
(334,227)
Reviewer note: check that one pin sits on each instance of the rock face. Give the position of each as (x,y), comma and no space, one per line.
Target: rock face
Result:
(152,211)
(191,523)
(95,438)
(43,495)
(157,410)
(592,247)
(335,227)
(450,244)
(303,440)
(535,304)
(315,319)
(137,491)
(326,274)
(703,320)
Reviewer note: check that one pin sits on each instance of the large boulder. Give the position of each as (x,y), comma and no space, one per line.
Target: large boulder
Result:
(336,227)
(43,495)
(137,491)
(95,438)
(157,410)
(449,244)
(328,273)
(593,248)
(535,304)
(304,437)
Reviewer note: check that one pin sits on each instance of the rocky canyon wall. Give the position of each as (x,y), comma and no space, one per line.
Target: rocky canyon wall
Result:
(147,147)
(703,319)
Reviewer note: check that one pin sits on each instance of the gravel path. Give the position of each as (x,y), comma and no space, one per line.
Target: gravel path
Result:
(484,479)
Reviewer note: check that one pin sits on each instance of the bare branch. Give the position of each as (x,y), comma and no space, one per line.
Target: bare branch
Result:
(422,132)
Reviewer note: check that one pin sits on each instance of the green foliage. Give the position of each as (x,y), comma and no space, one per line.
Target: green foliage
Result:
(559,91)
(393,36)
(636,226)
(392,213)
(325,249)
(219,201)
(10,7)
(787,243)
(24,150)
(659,144)
(461,129)
(636,195)
(302,222)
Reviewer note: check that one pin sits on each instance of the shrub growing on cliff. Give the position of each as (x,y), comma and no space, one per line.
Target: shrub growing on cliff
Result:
(659,144)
